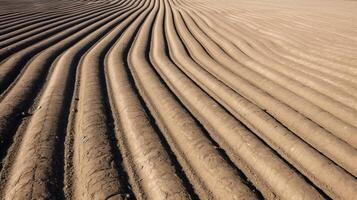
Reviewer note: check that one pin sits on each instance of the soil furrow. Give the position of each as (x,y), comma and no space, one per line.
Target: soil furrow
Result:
(325,142)
(258,118)
(14,64)
(19,97)
(178,99)
(330,122)
(96,163)
(226,182)
(46,125)
(35,31)
(157,179)
(200,109)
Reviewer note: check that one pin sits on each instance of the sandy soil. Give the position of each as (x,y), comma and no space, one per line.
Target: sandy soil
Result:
(178,99)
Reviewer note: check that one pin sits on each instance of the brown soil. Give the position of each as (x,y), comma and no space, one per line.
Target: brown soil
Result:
(178,99)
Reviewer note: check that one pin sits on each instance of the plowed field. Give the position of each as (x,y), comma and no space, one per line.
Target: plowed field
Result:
(178,99)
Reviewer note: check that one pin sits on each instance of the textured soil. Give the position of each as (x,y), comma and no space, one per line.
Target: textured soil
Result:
(178,99)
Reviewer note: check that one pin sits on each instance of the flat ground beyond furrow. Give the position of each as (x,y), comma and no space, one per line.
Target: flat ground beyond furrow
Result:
(178,99)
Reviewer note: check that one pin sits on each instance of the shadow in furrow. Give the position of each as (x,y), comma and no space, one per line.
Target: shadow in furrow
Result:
(58,164)
(276,153)
(118,160)
(15,73)
(178,169)
(22,110)
(221,151)
(308,181)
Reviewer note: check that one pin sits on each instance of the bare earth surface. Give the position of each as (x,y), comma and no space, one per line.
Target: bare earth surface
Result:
(178,99)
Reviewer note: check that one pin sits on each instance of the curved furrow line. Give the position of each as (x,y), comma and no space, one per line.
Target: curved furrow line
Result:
(331,146)
(243,147)
(314,64)
(19,6)
(23,56)
(21,9)
(318,66)
(324,33)
(269,53)
(321,87)
(36,6)
(324,20)
(8,39)
(278,67)
(16,14)
(240,30)
(300,22)
(283,41)
(15,64)
(178,99)
(147,161)
(345,82)
(6,16)
(328,121)
(21,24)
(50,10)
(210,175)
(324,23)
(60,11)
(352,112)
(337,53)
(268,45)
(19,97)
(90,187)
(282,44)
(61,8)
(297,39)
(292,56)
(18,19)
(303,157)
(46,126)
(338,91)
(320,91)
(345,113)
(37,35)
(96,173)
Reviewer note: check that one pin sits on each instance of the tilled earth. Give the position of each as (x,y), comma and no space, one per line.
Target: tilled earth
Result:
(178,99)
